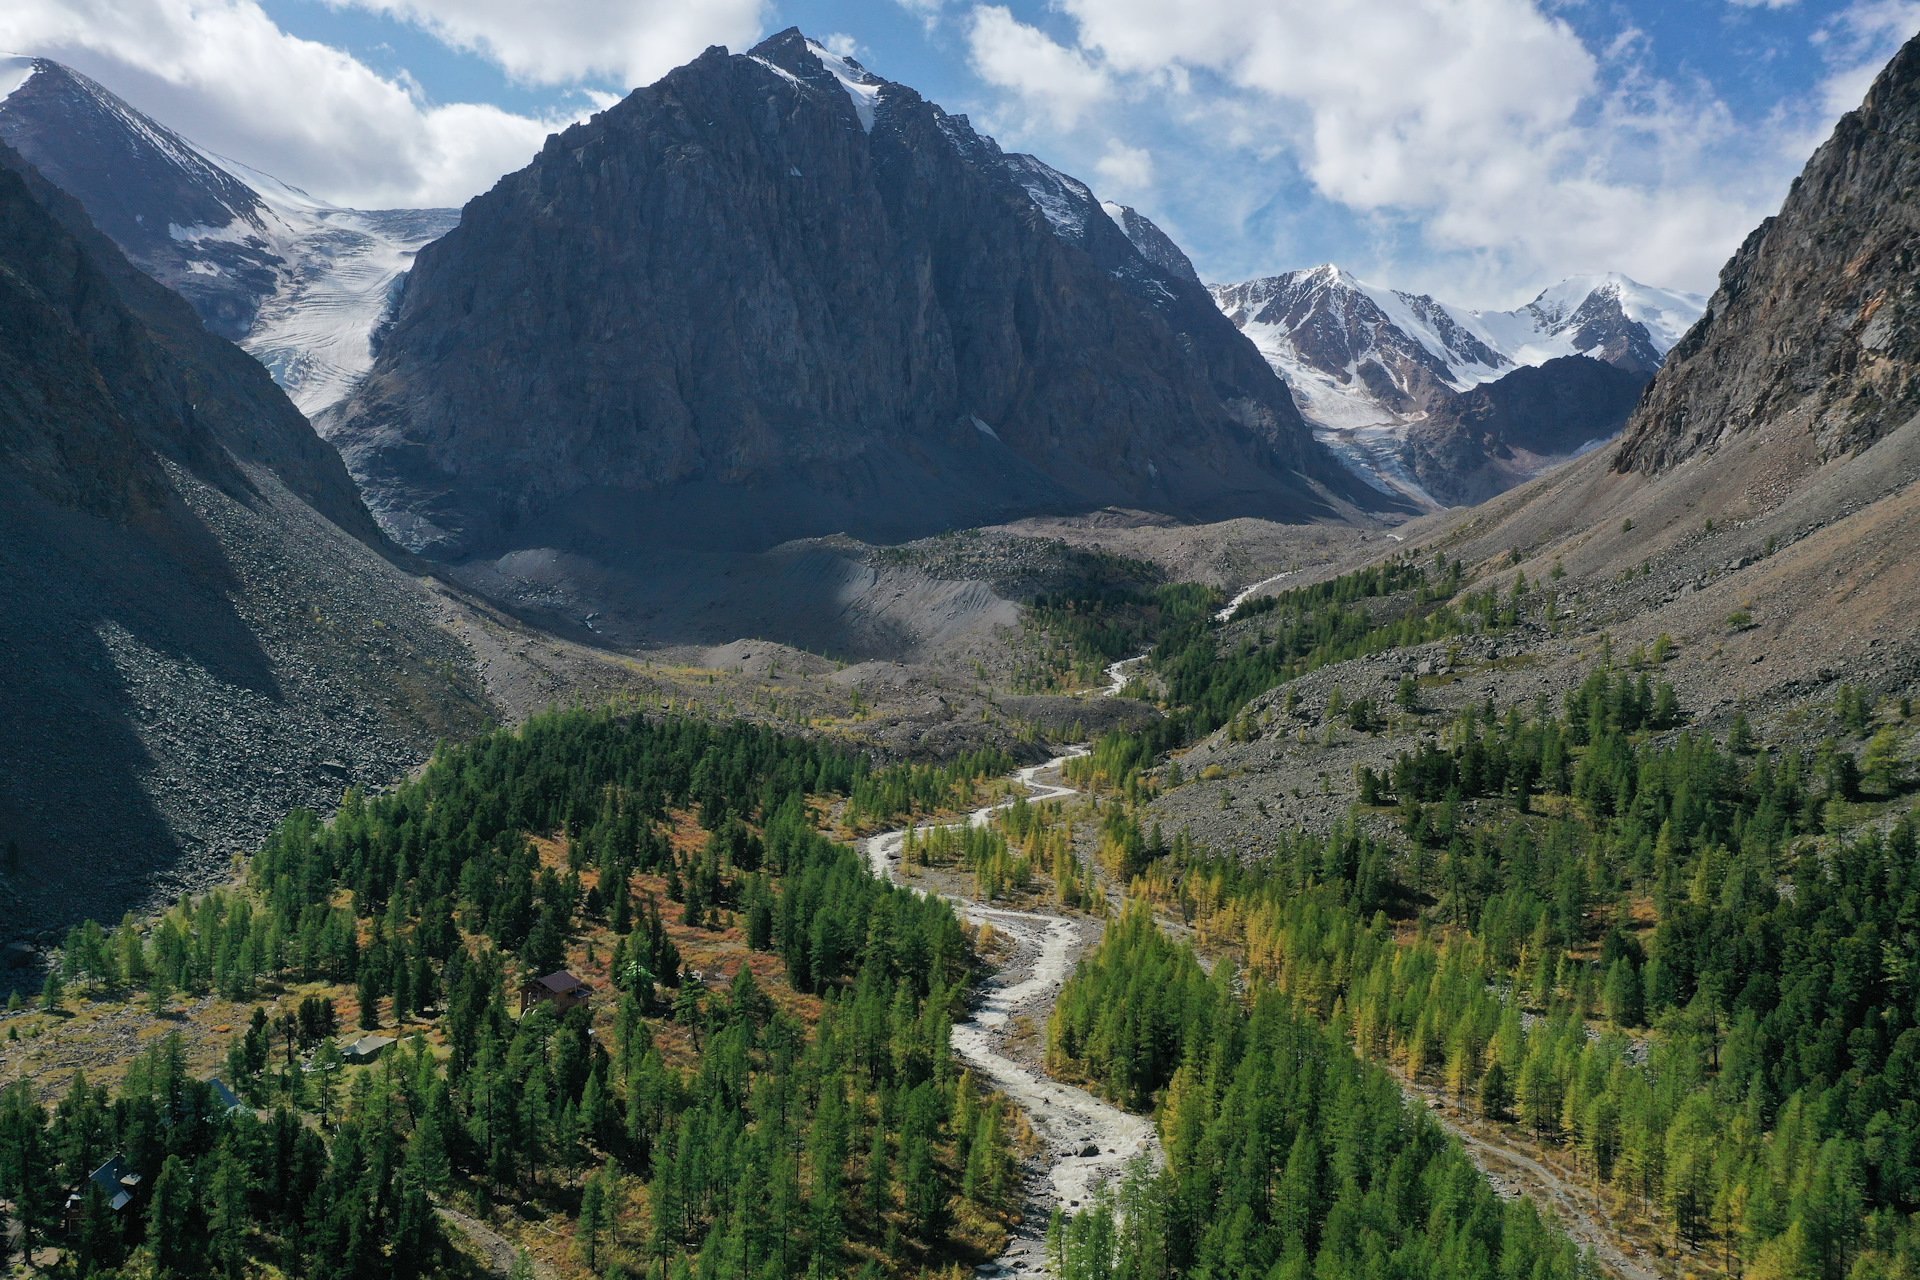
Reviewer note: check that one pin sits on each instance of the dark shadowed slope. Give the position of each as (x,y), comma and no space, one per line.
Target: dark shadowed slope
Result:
(195,638)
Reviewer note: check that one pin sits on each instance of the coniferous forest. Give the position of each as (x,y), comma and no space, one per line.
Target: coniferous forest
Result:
(718,1131)
(685,667)
(1744,1070)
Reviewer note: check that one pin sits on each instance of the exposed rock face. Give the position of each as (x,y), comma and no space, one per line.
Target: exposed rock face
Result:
(195,639)
(1325,325)
(1148,265)
(771,296)
(1400,384)
(1155,245)
(1816,323)
(126,170)
(300,284)
(1502,433)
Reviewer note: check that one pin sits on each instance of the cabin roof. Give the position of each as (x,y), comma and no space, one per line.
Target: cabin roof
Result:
(117,1181)
(561,983)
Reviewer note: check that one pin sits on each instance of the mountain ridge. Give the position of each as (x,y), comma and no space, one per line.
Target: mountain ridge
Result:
(301,284)
(1383,374)
(814,226)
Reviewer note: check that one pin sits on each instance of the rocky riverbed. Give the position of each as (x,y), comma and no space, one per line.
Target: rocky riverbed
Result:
(1084,1142)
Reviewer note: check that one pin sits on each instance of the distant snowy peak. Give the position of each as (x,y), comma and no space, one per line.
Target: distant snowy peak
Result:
(116,160)
(1403,386)
(300,283)
(1386,345)
(1599,316)
(1356,355)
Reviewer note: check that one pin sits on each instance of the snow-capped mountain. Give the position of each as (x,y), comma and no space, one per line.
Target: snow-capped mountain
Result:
(1367,365)
(1360,355)
(301,284)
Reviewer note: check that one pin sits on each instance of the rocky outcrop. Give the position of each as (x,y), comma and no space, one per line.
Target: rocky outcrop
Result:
(196,638)
(1815,326)
(1502,433)
(772,296)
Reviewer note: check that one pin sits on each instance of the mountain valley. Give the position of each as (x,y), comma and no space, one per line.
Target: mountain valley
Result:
(790,692)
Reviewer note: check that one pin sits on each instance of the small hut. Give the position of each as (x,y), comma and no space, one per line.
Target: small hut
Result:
(561,990)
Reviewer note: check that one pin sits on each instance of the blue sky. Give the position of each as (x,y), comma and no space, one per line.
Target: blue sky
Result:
(1477,149)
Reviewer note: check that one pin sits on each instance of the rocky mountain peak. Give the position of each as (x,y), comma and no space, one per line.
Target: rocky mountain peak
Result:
(1815,325)
(810,62)
(124,166)
(777,274)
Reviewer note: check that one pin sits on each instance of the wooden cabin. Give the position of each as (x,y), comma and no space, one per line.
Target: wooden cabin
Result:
(561,990)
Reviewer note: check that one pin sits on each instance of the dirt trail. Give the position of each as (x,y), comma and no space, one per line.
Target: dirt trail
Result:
(1084,1142)
(1515,1173)
(497,1252)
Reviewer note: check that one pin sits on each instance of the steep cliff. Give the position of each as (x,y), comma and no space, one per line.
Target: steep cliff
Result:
(1815,326)
(773,295)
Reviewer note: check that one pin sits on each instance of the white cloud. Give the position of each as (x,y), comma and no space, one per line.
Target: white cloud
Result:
(1857,42)
(1060,83)
(632,41)
(1763,4)
(1125,169)
(928,11)
(1485,130)
(841,43)
(223,73)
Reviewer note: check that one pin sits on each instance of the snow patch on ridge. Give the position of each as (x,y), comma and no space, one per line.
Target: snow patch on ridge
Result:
(14,72)
(778,70)
(862,86)
(1065,201)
